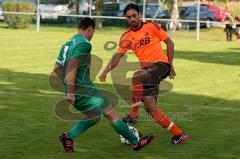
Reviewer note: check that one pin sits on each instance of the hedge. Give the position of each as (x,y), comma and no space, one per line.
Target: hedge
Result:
(17,20)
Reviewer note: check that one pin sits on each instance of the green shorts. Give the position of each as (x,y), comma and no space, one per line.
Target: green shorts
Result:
(92,105)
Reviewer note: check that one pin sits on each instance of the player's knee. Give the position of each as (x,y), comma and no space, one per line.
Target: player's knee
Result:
(137,73)
(111,115)
(150,104)
(94,117)
(150,109)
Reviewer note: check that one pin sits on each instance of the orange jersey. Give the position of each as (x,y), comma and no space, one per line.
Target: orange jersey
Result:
(145,43)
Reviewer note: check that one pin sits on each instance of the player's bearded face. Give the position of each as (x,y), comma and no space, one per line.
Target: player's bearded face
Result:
(133,18)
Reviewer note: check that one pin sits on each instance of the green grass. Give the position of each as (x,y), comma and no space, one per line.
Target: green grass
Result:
(207,84)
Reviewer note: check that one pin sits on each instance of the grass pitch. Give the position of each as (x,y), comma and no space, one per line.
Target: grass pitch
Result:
(206,90)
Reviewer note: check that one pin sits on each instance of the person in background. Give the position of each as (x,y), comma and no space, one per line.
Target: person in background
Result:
(228,28)
(237,20)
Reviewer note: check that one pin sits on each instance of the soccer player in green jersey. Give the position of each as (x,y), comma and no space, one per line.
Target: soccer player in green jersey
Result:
(72,66)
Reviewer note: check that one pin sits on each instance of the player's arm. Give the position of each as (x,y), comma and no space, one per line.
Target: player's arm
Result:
(71,76)
(170,53)
(124,46)
(162,35)
(58,70)
(170,49)
(73,64)
(58,67)
(111,65)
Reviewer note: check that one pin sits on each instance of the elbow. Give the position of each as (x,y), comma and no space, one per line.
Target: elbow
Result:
(57,69)
(117,56)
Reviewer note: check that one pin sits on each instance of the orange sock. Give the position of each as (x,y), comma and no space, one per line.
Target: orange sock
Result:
(162,119)
(137,93)
(134,112)
(175,130)
(136,99)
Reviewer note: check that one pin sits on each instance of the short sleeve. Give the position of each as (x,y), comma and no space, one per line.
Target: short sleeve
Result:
(60,57)
(158,31)
(124,45)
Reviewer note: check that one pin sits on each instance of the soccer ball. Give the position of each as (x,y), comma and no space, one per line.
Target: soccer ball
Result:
(135,132)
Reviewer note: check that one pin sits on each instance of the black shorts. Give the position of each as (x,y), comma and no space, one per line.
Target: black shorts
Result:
(157,72)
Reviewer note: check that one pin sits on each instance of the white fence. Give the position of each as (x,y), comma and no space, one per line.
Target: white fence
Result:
(52,12)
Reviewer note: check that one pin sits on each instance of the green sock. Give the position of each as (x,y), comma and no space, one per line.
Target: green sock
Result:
(80,127)
(123,130)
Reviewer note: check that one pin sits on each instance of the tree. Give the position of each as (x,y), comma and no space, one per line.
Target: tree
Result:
(77,6)
(99,8)
(175,15)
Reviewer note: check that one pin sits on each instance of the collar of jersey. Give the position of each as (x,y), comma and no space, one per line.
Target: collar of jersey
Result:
(78,35)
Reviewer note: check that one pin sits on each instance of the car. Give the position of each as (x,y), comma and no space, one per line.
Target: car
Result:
(84,9)
(52,10)
(155,11)
(152,10)
(220,13)
(189,12)
(114,9)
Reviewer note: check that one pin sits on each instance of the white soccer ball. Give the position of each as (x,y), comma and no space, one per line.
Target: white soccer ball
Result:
(135,132)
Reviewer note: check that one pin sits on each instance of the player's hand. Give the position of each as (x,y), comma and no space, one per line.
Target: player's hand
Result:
(70,98)
(172,72)
(103,77)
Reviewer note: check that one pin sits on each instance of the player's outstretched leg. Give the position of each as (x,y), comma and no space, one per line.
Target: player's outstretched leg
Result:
(132,118)
(162,119)
(122,128)
(80,127)
(137,95)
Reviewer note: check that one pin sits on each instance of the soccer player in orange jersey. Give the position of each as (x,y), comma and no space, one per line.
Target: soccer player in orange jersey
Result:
(144,40)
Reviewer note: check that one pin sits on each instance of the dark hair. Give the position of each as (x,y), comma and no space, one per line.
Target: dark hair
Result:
(86,22)
(131,6)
